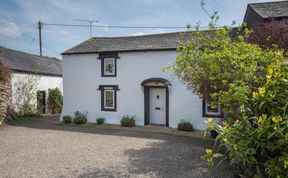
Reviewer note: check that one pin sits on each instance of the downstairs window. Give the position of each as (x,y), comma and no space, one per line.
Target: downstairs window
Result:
(108,97)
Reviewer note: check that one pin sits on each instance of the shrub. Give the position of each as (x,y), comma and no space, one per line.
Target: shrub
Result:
(67,119)
(55,100)
(100,120)
(80,118)
(128,121)
(259,145)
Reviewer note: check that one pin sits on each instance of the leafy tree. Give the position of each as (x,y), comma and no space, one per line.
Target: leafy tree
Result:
(219,63)
(55,100)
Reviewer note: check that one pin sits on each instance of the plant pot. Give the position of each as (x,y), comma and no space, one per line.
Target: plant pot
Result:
(100,122)
(187,128)
(128,124)
(213,133)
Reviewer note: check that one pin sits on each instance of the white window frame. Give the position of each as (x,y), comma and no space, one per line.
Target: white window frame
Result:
(105,106)
(218,113)
(113,69)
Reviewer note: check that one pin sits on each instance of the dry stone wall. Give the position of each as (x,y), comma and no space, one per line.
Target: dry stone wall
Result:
(6,104)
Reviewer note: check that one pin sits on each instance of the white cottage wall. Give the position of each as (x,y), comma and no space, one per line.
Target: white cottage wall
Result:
(82,77)
(44,82)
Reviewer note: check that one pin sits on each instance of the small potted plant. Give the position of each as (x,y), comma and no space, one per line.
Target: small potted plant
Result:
(128,121)
(80,118)
(67,119)
(100,120)
(185,126)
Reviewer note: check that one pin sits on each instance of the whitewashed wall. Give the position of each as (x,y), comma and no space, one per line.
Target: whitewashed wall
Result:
(82,76)
(44,82)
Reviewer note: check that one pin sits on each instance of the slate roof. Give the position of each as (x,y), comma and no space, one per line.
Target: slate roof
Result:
(271,9)
(30,63)
(164,41)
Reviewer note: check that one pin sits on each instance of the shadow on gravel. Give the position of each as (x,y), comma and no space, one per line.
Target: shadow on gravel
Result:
(168,156)
(170,159)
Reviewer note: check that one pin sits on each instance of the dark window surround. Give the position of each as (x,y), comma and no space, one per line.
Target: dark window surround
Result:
(204,114)
(104,55)
(102,88)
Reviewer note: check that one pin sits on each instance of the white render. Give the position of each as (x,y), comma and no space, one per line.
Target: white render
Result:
(44,82)
(82,77)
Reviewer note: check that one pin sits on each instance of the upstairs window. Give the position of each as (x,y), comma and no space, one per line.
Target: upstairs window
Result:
(109,67)
(211,111)
(108,64)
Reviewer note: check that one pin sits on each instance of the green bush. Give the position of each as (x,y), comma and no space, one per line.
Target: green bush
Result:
(55,101)
(258,145)
(80,118)
(128,121)
(100,120)
(67,119)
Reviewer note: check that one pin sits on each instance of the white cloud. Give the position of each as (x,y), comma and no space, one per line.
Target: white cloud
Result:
(10,30)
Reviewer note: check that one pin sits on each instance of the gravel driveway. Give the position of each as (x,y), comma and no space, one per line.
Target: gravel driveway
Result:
(44,149)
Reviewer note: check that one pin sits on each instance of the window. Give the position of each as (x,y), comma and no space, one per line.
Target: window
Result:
(108,64)
(209,111)
(109,100)
(108,97)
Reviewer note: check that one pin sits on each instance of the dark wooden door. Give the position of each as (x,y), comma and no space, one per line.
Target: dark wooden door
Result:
(41,102)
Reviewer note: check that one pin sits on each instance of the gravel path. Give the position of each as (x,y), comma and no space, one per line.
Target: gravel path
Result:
(44,149)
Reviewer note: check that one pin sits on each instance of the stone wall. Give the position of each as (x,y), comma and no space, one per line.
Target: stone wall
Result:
(5,93)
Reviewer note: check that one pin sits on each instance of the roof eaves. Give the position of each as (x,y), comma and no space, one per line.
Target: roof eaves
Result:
(127,50)
(36,73)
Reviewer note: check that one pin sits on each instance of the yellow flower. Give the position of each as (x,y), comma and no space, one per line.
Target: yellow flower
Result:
(255,94)
(262,91)
(286,164)
(224,139)
(237,121)
(276,119)
(208,122)
(225,124)
(208,151)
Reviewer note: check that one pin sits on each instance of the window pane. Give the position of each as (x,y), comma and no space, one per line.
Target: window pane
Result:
(109,99)
(109,66)
(210,109)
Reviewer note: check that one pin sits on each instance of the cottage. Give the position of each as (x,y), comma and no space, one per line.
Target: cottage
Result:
(25,68)
(266,12)
(114,76)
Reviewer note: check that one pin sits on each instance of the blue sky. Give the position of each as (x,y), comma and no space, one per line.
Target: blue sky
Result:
(18,19)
